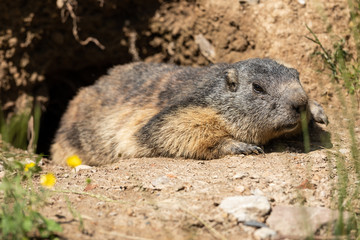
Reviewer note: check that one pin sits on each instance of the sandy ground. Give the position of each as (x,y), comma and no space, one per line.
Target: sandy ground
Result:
(158,198)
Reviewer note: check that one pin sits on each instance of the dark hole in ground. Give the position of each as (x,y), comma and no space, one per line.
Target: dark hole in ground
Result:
(77,68)
(62,87)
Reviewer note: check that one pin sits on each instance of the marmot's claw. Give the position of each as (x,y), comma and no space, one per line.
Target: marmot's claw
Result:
(259,150)
(318,113)
(255,149)
(245,148)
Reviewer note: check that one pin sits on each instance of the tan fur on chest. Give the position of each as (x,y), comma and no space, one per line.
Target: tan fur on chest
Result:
(121,126)
(198,131)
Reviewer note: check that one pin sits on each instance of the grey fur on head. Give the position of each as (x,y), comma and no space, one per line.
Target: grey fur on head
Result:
(149,109)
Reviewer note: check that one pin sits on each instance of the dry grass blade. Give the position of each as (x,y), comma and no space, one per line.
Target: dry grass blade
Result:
(124,236)
(100,197)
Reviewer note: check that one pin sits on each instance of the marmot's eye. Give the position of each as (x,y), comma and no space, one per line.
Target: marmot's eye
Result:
(257,88)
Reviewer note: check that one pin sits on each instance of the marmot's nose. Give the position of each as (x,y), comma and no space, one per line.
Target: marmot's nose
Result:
(297,99)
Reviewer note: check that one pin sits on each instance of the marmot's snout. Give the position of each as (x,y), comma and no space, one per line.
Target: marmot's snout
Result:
(297,104)
(299,107)
(297,97)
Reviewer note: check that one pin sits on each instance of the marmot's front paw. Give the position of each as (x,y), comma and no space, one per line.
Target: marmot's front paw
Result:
(317,112)
(235,147)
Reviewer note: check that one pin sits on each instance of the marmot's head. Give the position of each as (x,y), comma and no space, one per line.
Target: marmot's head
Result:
(262,99)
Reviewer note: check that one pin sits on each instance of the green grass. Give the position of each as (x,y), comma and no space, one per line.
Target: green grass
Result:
(21,201)
(345,75)
(16,129)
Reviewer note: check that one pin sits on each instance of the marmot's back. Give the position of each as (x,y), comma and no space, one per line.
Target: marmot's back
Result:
(140,110)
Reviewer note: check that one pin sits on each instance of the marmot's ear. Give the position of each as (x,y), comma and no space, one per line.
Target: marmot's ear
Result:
(232,79)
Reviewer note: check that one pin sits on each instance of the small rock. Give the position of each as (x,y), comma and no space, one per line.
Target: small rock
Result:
(240,189)
(344,151)
(171,48)
(257,192)
(179,188)
(161,182)
(240,175)
(206,48)
(264,233)
(60,3)
(81,167)
(300,222)
(316,177)
(90,187)
(130,212)
(251,2)
(255,176)
(255,224)
(302,2)
(28,160)
(111,214)
(305,185)
(323,195)
(246,208)
(60,216)
(13,41)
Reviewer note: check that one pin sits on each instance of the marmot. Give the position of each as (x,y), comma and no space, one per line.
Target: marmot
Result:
(153,110)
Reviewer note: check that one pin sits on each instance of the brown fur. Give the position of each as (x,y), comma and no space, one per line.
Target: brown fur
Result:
(147,110)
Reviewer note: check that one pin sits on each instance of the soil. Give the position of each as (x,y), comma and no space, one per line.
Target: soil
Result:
(157,198)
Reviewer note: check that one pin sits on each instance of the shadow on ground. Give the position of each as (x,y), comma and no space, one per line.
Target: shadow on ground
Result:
(319,139)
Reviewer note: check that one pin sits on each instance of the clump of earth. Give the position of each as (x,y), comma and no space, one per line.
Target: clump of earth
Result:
(45,58)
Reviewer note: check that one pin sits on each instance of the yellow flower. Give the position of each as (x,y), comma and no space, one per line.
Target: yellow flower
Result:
(28,166)
(351,24)
(48,180)
(73,161)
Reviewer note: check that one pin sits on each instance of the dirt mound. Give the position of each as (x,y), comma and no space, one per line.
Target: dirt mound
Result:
(43,59)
